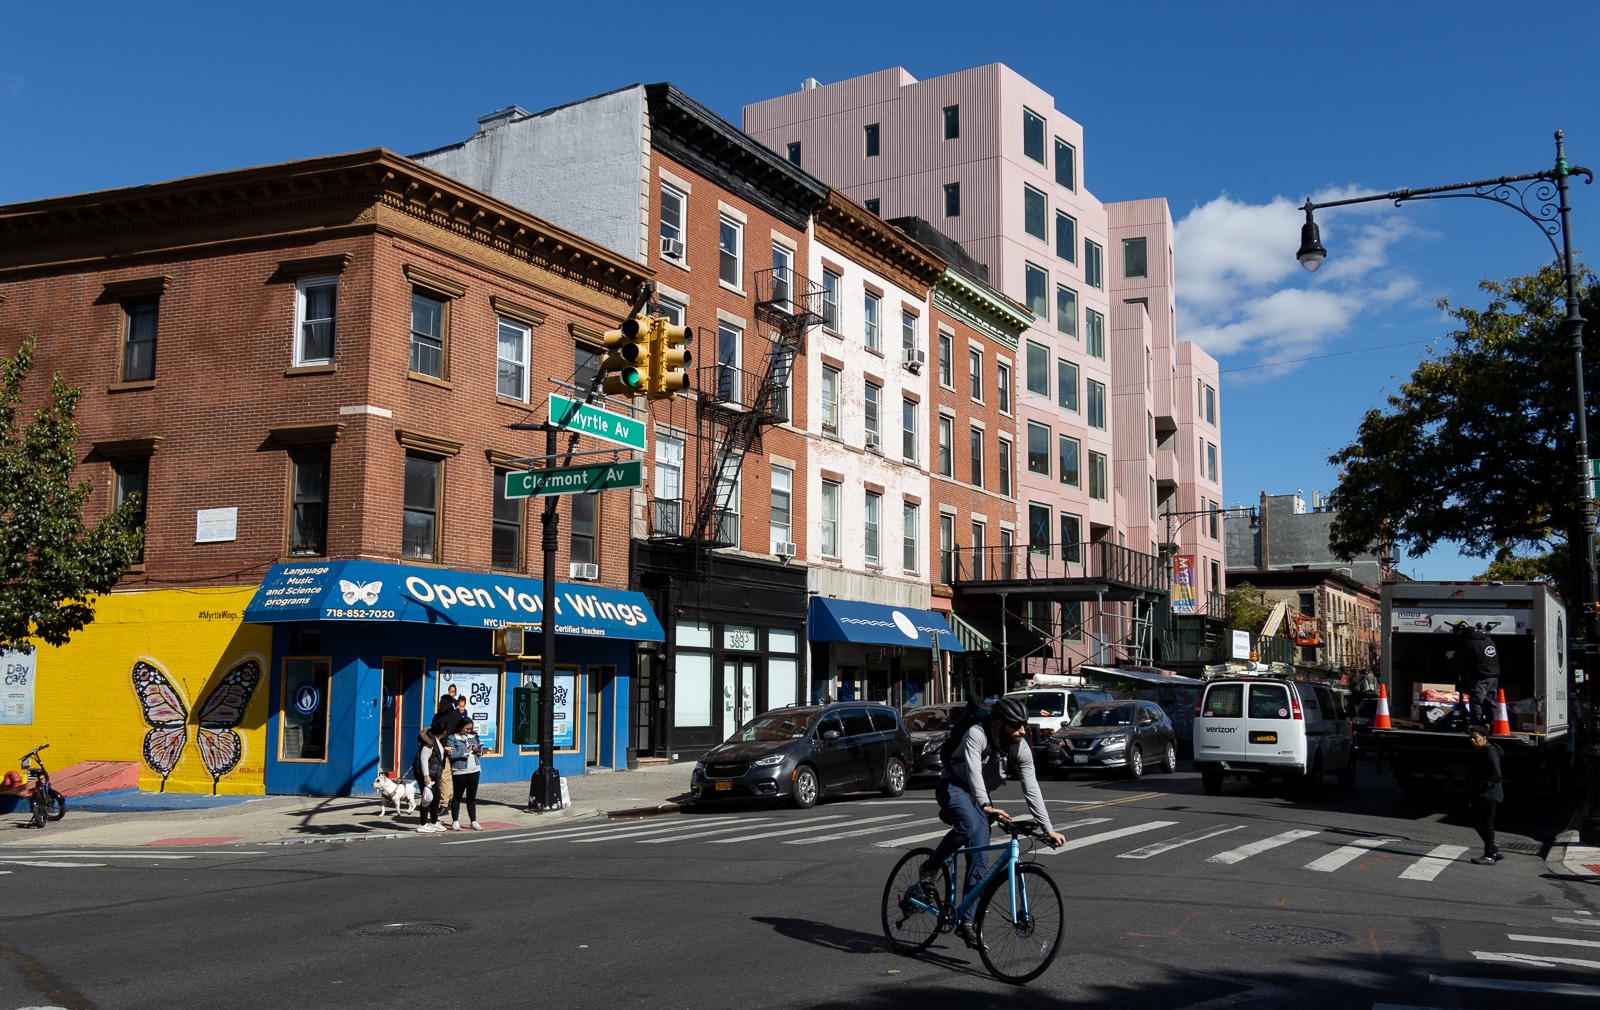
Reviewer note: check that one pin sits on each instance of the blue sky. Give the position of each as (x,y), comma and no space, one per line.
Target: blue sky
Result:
(1233,112)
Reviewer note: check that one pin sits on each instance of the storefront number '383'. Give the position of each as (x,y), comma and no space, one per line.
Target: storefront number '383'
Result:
(741,640)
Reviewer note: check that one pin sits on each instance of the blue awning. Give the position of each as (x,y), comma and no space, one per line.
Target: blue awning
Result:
(373,591)
(852,621)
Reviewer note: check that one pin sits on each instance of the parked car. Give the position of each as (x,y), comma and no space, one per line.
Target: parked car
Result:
(1126,736)
(803,753)
(1049,709)
(929,725)
(1263,728)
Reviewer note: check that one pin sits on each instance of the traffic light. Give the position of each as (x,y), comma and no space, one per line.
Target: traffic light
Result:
(627,359)
(669,360)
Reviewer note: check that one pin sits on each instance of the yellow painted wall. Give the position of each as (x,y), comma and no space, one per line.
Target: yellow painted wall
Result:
(86,707)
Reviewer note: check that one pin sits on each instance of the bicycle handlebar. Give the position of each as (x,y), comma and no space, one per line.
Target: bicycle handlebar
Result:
(35,751)
(1031,829)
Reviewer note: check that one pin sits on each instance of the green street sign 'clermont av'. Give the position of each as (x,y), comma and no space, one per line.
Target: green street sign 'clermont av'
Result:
(599,423)
(573,479)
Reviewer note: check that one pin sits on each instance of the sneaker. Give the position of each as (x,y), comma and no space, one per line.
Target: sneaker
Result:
(476,826)
(422,827)
(967,934)
(455,825)
(928,872)
(435,826)
(1498,855)
(1485,860)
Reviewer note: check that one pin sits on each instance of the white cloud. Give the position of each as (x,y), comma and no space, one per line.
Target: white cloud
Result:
(1241,291)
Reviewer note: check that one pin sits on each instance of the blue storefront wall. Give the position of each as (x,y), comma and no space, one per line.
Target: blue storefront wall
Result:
(404,622)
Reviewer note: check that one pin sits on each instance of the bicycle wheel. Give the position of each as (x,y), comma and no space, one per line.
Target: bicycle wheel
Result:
(37,804)
(1019,943)
(55,806)
(911,916)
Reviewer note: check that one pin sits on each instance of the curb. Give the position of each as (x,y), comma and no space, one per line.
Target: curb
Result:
(332,838)
(1567,856)
(662,810)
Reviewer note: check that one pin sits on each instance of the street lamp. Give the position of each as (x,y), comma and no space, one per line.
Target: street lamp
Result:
(1541,197)
(1185,518)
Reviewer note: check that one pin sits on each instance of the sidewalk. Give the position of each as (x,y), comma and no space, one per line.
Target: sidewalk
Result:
(286,820)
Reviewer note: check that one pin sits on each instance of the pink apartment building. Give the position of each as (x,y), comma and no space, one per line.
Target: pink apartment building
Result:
(1109,434)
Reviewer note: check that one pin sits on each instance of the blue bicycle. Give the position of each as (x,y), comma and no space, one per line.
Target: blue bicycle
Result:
(1019,912)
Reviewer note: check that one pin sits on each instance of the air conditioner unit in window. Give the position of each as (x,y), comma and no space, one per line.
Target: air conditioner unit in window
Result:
(874,441)
(784,549)
(672,248)
(583,570)
(916,358)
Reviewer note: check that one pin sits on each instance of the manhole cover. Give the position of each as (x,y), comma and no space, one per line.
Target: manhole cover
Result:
(1297,936)
(407,930)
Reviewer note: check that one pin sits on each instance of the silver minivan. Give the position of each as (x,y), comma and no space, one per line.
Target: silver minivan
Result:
(1262,728)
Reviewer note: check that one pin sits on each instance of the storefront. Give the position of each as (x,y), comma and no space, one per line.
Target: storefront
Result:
(365,650)
(875,652)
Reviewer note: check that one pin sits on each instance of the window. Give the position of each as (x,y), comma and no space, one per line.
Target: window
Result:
(308,505)
(782,276)
(977,549)
(1007,559)
(727,495)
(872,206)
(303,736)
(1034,214)
(1097,476)
(669,486)
(1066,385)
(511,360)
(730,344)
(1004,464)
(1094,334)
(872,308)
(794,153)
(870,139)
(427,335)
(830,400)
(1038,365)
(1033,135)
(830,519)
(1039,529)
(908,435)
(1071,538)
(910,523)
(952,199)
(1038,290)
(139,341)
(1211,462)
(730,245)
(1038,449)
(908,331)
(673,203)
(975,374)
(830,300)
(952,122)
(1066,165)
(947,439)
(1134,263)
(947,547)
(317,304)
(1066,311)
(1212,518)
(1216,577)
(1067,450)
(420,539)
(946,364)
(505,549)
(585,363)
(870,401)
(1211,405)
(1095,397)
(874,508)
(133,478)
(781,518)
(975,456)
(1067,237)
(1002,386)
(1093,264)
(1152,503)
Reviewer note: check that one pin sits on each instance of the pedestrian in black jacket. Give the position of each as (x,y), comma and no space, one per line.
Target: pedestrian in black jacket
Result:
(1478,670)
(1487,792)
(427,769)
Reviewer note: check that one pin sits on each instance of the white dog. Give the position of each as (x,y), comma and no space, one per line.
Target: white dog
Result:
(391,791)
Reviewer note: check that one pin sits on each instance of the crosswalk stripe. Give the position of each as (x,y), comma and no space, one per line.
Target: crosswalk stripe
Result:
(610,829)
(1104,836)
(664,830)
(1157,848)
(1082,822)
(1255,848)
(895,843)
(1590,923)
(1516,985)
(1433,863)
(796,831)
(859,831)
(1553,939)
(703,834)
(1539,960)
(1345,853)
(54,864)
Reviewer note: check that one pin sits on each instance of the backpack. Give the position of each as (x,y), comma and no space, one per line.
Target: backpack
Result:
(971,716)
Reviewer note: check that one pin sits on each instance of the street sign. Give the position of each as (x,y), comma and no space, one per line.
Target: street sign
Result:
(574,479)
(599,423)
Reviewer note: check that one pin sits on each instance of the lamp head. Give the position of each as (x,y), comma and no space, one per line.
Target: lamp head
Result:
(1311,252)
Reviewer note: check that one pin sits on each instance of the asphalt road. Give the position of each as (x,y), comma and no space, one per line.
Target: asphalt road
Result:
(1176,899)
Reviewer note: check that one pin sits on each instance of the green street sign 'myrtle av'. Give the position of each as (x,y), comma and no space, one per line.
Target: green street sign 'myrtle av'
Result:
(574,479)
(599,423)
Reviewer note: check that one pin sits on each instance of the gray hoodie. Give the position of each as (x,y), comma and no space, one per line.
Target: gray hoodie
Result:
(1008,761)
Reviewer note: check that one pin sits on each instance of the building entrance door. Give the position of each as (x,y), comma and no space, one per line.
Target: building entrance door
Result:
(650,704)
(738,694)
(402,713)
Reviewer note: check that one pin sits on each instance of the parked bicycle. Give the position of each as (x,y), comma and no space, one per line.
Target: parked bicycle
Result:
(44,802)
(1019,912)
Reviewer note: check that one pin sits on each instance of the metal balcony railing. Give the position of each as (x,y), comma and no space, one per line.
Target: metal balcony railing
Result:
(728,388)
(666,517)
(1059,563)
(789,299)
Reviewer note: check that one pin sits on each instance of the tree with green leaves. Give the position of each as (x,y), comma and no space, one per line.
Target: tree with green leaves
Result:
(1248,608)
(1476,448)
(51,568)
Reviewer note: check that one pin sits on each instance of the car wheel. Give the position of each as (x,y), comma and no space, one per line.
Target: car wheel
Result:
(805,787)
(1135,763)
(894,778)
(1169,761)
(1212,781)
(1311,782)
(1347,776)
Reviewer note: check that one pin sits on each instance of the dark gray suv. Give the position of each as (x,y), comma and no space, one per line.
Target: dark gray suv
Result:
(1126,736)
(806,752)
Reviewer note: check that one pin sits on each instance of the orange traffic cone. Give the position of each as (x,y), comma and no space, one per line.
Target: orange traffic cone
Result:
(1502,718)
(1381,719)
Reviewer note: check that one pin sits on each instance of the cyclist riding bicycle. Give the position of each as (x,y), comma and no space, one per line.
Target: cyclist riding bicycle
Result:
(992,751)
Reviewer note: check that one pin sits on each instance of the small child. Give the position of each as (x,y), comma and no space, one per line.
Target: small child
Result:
(465,750)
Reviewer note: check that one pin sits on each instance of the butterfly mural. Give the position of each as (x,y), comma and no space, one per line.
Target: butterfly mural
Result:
(221,747)
(366,592)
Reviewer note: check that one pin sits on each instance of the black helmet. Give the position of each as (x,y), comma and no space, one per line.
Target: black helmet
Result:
(1010,710)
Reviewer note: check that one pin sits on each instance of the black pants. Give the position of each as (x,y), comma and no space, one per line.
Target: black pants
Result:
(1485,694)
(430,809)
(1483,821)
(466,789)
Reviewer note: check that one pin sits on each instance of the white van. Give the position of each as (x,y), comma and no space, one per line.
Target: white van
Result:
(1050,708)
(1262,728)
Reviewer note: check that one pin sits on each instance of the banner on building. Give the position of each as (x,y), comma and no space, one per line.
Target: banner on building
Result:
(1184,587)
(479,687)
(17,673)
(564,691)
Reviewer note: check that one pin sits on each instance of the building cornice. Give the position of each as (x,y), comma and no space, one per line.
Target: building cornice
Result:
(846,225)
(981,307)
